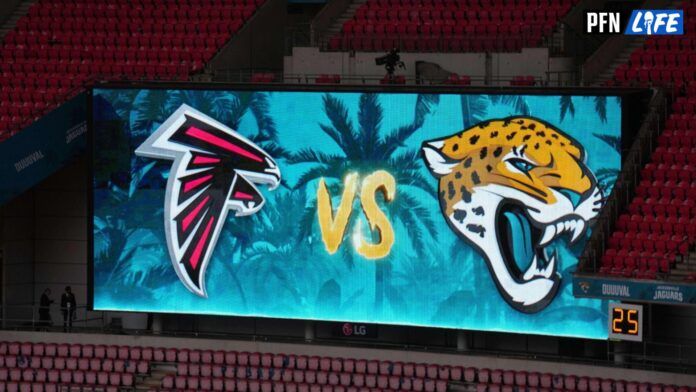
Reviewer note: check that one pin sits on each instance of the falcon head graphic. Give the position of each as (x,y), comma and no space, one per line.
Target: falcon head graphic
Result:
(214,170)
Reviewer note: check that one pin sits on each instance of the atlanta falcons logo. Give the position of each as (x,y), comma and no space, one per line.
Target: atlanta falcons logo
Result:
(214,171)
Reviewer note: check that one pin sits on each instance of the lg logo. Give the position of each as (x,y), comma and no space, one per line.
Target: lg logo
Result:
(354,330)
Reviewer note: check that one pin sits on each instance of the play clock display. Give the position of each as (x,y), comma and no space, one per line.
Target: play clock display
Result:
(626,322)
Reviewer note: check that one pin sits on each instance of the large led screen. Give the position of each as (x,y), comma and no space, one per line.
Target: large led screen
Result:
(440,210)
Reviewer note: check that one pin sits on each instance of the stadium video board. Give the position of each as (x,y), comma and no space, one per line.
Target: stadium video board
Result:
(464,211)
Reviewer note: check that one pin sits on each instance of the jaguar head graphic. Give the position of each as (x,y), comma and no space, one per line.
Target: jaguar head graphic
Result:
(509,188)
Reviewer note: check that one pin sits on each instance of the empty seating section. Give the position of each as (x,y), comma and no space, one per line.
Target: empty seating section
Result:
(48,367)
(61,45)
(265,372)
(659,227)
(449,25)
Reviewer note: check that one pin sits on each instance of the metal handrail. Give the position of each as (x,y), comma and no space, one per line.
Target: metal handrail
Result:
(438,42)
(626,183)
(21,316)
(552,79)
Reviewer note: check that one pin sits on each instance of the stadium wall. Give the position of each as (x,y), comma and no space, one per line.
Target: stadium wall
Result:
(44,241)
(7,7)
(17,255)
(532,61)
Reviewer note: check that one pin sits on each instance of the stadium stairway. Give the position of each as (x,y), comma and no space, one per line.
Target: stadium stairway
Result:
(158,371)
(10,23)
(622,57)
(337,25)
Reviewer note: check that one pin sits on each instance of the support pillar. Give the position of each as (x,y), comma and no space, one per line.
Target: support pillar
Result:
(309,331)
(462,341)
(156,323)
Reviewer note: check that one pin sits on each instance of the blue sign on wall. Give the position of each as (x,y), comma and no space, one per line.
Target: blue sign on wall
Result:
(441,210)
(42,148)
(634,290)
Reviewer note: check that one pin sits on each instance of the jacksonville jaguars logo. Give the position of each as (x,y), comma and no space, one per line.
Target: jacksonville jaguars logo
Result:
(509,188)
(214,171)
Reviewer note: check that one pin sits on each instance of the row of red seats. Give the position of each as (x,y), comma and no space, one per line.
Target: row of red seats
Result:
(79,43)
(13,386)
(404,14)
(479,6)
(668,44)
(48,75)
(78,377)
(447,27)
(79,55)
(67,81)
(629,268)
(642,241)
(655,76)
(144,56)
(674,172)
(139,3)
(230,385)
(681,190)
(323,378)
(638,256)
(74,363)
(76,350)
(112,25)
(644,260)
(295,375)
(659,58)
(682,122)
(629,272)
(674,155)
(451,31)
(567,383)
(473,44)
(667,207)
(172,11)
(226,384)
(656,224)
(684,105)
(103,42)
(677,138)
